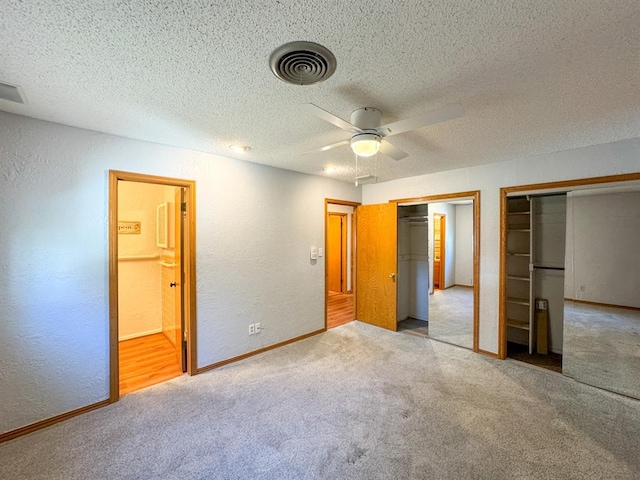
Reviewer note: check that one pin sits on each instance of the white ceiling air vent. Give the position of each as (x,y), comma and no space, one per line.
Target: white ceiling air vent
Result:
(302,63)
(13,93)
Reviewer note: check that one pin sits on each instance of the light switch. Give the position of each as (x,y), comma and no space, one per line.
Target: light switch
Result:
(314,253)
(320,251)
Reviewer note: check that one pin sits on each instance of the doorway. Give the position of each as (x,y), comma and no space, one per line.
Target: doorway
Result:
(559,241)
(395,267)
(439,250)
(337,273)
(339,262)
(151,280)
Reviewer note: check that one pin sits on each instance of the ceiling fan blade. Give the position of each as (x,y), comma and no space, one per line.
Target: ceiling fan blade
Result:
(329,117)
(390,150)
(328,147)
(429,118)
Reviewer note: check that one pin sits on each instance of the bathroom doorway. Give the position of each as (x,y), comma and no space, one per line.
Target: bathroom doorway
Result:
(339,262)
(151,279)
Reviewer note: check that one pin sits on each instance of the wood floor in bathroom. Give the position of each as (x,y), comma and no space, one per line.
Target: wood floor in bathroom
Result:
(146,361)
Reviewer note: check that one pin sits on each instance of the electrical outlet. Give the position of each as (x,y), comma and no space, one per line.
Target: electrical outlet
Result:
(258,327)
(252,329)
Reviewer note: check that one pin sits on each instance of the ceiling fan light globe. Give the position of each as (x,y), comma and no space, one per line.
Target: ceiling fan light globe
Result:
(365,145)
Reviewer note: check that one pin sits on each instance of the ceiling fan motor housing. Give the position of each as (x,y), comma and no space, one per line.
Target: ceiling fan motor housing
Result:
(367,118)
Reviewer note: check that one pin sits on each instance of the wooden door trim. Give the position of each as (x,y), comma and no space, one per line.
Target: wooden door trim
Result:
(475,196)
(534,188)
(347,203)
(190,192)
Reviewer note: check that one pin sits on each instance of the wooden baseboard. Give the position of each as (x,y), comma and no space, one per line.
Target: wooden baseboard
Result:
(488,354)
(18,432)
(463,286)
(598,304)
(257,352)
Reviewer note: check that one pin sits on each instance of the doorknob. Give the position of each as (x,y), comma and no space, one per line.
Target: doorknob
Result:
(172,284)
(392,275)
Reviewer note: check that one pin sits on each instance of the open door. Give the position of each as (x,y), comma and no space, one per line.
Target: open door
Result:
(179,276)
(376,262)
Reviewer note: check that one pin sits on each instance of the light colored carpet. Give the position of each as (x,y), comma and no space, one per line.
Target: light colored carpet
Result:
(602,347)
(451,316)
(356,402)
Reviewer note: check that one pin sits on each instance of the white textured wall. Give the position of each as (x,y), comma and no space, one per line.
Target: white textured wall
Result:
(419,271)
(549,232)
(464,245)
(254,228)
(603,234)
(605,159)
(139,281)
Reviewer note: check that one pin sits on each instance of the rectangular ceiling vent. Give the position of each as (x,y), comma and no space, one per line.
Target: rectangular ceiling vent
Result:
(13,93)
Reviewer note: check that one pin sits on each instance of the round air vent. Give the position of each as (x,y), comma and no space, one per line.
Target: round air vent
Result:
(302,63)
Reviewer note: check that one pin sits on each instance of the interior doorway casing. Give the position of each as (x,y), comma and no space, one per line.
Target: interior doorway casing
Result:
(189,187)
(352,240)
(475,196)
(536,188)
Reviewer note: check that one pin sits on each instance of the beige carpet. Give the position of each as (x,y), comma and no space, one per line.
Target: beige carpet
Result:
(356,402)
(451,316)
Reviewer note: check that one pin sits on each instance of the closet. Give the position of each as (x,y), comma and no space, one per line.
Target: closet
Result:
(413,262)
(536,231)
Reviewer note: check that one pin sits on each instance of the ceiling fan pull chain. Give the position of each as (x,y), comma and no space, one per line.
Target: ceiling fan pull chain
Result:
(356,170)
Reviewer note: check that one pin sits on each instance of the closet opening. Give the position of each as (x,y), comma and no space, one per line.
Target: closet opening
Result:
(437,268)
(151,280)
(569,283)
(535,258)
(339,262)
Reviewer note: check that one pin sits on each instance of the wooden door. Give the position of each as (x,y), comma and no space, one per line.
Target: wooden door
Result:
(337,252)
(178,276)
(439,222)
(376,262)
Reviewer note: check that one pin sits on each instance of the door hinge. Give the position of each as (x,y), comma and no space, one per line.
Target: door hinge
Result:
(183,207)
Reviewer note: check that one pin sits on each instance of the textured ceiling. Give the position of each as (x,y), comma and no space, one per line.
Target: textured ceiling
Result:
(533,77)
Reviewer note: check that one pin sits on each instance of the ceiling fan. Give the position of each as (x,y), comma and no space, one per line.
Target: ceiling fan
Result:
(369,137)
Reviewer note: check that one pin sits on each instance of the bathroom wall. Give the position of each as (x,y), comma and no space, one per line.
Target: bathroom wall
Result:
(139,292)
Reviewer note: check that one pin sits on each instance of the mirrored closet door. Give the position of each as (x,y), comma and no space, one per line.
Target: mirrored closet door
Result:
(572,281)
(436,248)
(602,288)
